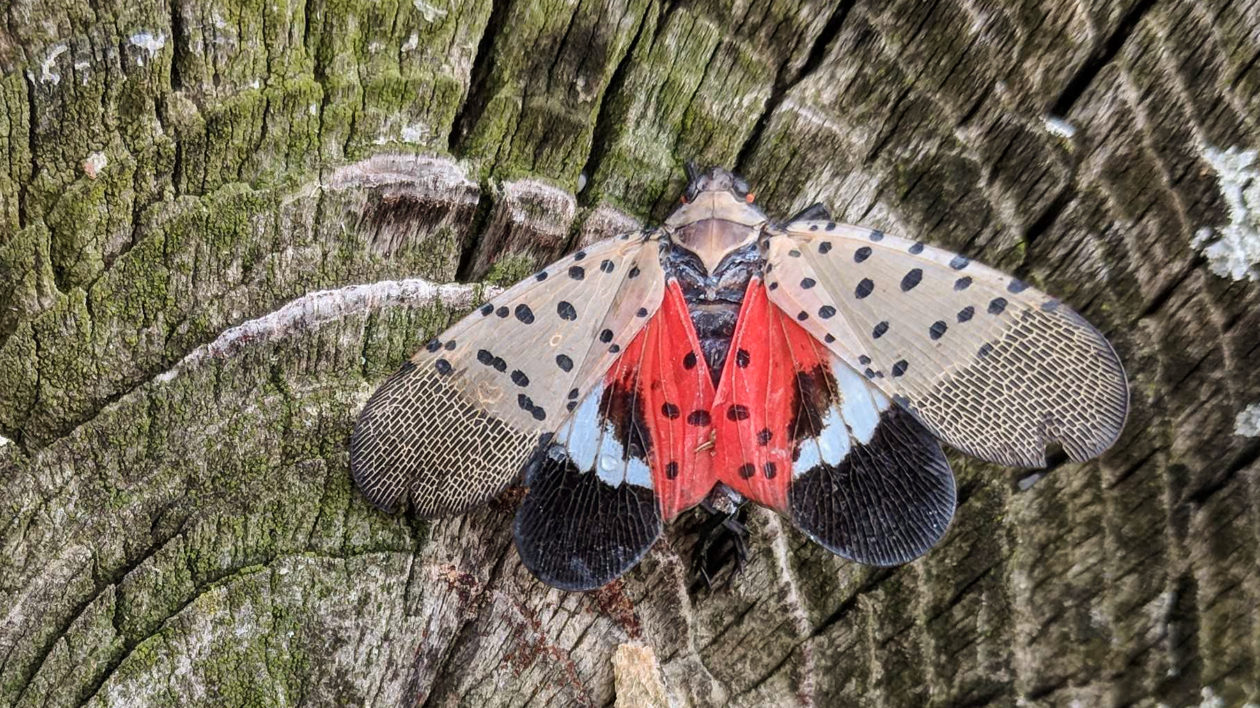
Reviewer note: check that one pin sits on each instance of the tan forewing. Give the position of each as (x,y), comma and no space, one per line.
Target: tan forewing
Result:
(456,424)
(993,367)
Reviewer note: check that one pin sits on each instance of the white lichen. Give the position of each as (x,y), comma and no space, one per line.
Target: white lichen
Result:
(312,310)
(94,163)
(1210,699)
(46,73)
(412,42)
(1235,252)
(81,68)
(417,133)
(4,441)
(1059,126)
(427,11)
(149,42)
(1248,421)
(437,176)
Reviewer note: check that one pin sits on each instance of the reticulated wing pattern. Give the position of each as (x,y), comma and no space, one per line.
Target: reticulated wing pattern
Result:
(457,422)
(993,367)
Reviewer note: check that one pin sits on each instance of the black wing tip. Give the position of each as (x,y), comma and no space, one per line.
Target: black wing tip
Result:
(889,502)
(579,580)
(574,531)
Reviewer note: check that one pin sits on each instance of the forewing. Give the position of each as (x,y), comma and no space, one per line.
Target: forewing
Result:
(457,422)
(624,461)
(993,367)
(801,432)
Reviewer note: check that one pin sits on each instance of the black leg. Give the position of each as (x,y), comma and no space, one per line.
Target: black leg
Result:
(722,541)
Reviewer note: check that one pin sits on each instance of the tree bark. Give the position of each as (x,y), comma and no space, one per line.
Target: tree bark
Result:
(222,223)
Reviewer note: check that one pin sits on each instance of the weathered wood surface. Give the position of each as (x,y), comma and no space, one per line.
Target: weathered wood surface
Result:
(178,520)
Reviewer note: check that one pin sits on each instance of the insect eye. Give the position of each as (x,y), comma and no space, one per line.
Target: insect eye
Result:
(683,199)
(750,197)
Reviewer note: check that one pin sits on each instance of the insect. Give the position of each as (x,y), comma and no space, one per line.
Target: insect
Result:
(808,366)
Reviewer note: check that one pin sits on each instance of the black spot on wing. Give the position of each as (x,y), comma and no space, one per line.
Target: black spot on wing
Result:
(911,279)
(886,503)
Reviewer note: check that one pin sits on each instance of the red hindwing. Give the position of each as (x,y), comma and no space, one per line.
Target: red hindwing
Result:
(666,367)
(755,405)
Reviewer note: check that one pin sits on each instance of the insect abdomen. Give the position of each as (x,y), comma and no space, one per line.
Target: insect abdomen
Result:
(713,300)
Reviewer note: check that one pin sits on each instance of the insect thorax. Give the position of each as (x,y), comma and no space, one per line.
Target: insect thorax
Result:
(713,299)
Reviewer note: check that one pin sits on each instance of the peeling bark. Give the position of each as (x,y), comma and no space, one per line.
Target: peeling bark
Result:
(222,224)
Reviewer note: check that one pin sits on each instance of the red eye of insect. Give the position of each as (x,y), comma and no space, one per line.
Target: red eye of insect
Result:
(749,197)
(683,199)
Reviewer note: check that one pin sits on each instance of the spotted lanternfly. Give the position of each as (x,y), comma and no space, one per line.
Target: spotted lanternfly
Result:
(809,366)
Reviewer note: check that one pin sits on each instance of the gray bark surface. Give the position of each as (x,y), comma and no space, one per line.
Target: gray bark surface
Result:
(190,190)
